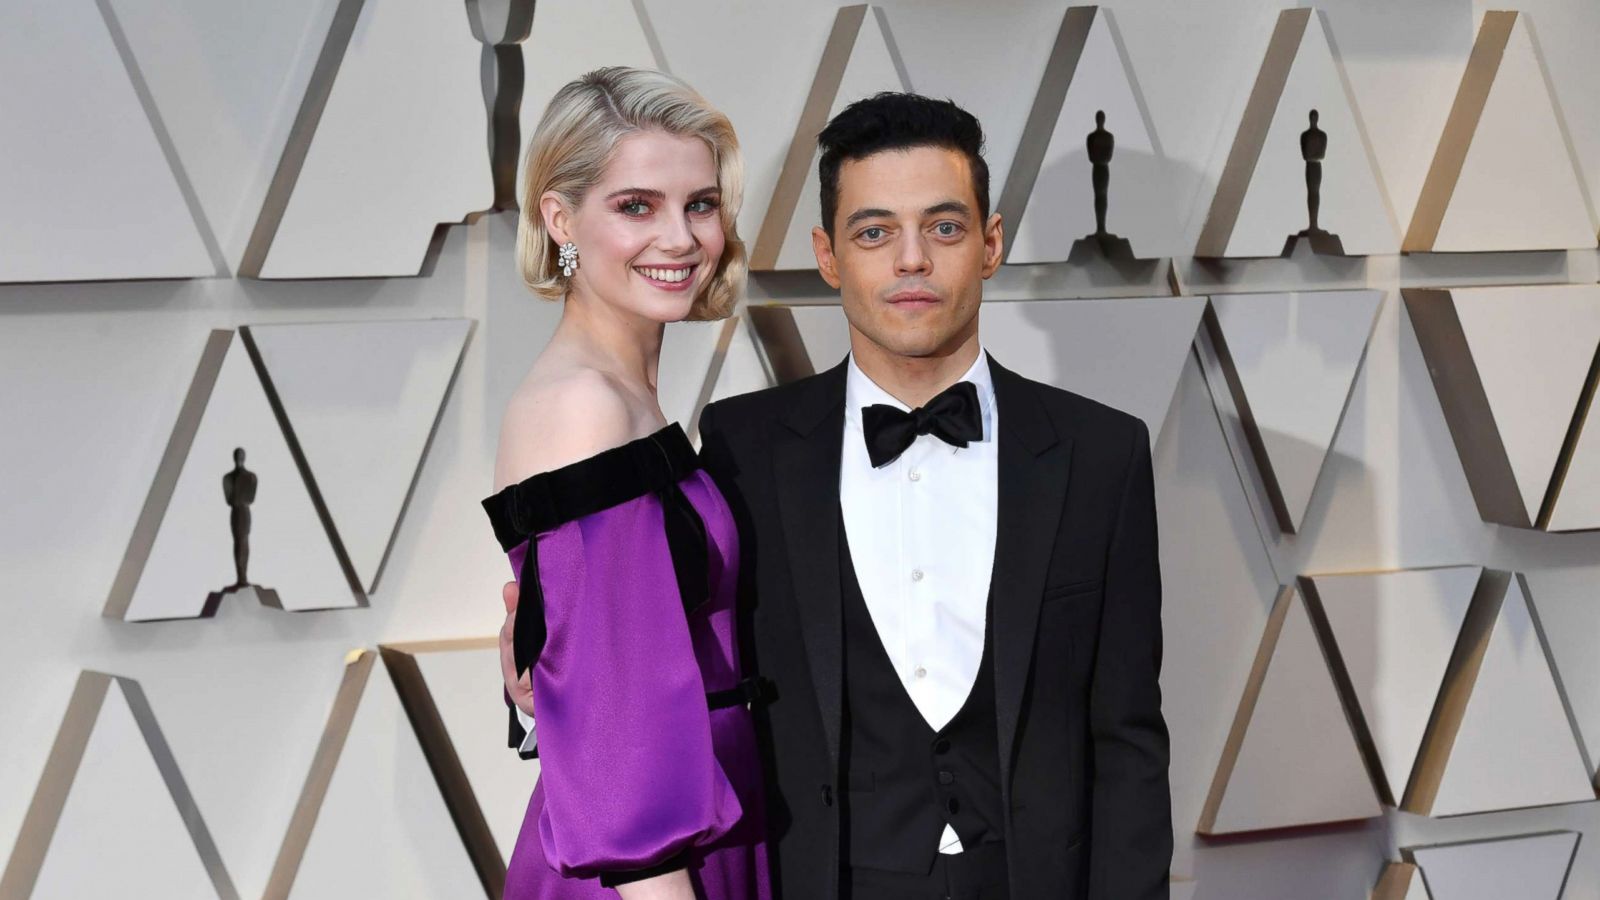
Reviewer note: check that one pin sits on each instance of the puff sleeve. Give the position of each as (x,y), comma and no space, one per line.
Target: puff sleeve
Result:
(629,774)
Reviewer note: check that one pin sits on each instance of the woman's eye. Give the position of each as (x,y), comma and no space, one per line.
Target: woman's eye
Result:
(701,207)
(634,208)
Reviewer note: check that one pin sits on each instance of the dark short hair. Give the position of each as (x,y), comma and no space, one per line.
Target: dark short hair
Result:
(898,121)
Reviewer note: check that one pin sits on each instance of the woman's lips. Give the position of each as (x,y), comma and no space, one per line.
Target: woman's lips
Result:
(677,277)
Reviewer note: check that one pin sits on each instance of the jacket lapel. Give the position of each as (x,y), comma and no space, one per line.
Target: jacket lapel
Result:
(1034,467)
(806,453)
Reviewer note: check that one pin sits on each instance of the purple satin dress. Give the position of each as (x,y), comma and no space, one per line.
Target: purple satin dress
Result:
(639,772)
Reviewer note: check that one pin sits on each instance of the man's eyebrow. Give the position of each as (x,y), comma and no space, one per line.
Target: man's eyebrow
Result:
(869,213)
(948,206)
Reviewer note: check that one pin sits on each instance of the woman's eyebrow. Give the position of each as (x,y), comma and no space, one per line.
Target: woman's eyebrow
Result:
(650,193)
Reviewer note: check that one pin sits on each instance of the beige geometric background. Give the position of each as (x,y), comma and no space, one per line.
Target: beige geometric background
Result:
(154,152)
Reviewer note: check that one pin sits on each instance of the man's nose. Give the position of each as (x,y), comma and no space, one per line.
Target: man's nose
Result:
(911,257)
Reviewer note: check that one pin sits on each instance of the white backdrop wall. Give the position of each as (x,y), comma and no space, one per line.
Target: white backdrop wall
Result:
(92,376)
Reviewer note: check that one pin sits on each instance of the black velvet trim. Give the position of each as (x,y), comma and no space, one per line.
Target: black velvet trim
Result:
(688,545)
(609,478)
(672,864)
(651,464)
(754,689)
(528,632)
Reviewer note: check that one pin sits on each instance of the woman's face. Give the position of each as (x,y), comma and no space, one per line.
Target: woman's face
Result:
(649,234)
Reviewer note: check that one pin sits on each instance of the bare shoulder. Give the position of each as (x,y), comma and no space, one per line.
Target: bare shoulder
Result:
(561,419)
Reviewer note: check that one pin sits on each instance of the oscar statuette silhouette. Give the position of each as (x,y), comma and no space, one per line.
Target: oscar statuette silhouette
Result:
(1101,145)
(239,491)
(1313,149)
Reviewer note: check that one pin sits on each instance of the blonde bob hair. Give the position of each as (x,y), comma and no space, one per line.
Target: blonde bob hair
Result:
(574,142)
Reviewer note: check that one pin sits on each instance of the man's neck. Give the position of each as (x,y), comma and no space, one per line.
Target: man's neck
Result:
(913,380)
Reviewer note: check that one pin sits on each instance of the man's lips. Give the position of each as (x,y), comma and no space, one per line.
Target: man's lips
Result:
(913,298)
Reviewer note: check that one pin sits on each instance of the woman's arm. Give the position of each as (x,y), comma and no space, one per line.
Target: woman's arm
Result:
(671,886)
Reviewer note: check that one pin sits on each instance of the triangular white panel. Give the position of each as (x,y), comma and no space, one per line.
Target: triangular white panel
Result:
(382,829)
(476,721)
(1401,881)
(873,65)
(1294,358)
(1294,760)
(1518,188)
(73,208)
(363,398)
(1126,353)
(1526,868)
(1577,505)
(1515,747)
(1417,889)
(570,38)
(1570,618)
(742,370)
(825,332)
(1532,348)
(1060,208)
(1395,632)
(398,149)
(120,825)
(1273,202)
(191,554)
(738,369)
(689,350)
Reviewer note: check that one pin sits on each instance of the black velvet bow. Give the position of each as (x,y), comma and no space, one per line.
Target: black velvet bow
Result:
(953,417)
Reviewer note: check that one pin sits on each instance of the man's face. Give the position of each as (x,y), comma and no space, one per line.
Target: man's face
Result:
(909,254)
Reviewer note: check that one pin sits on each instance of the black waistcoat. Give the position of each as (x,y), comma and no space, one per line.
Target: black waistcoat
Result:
(904,781)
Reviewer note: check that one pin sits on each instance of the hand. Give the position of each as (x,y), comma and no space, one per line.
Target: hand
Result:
(521,689)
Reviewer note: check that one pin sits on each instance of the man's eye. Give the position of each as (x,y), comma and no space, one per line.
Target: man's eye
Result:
(872,234)
(947,229)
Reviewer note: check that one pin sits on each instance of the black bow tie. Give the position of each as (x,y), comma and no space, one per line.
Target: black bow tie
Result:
(952,417)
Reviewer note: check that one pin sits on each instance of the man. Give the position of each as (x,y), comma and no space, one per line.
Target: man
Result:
(951,571)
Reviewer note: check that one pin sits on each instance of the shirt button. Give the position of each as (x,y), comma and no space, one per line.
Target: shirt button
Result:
(921,672)
(947,777)
(914,475)
(916,574)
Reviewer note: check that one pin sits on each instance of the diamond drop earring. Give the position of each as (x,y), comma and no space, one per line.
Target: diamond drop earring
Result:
(568,258)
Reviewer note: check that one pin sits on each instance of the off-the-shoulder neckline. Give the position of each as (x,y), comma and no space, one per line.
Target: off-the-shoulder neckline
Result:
(598,482)
(620,450)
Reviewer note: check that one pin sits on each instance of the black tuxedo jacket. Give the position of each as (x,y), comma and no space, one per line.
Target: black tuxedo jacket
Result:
(1077,631)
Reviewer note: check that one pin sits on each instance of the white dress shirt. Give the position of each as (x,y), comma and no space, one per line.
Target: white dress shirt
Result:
(921,532)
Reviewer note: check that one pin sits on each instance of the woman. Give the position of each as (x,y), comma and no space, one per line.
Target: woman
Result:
(625,552)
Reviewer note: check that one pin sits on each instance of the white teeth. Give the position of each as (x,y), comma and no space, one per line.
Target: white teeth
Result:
(672,276)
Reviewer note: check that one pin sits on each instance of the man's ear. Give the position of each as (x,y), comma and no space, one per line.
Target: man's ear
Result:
(822,246)
(557,218)
(994,244)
